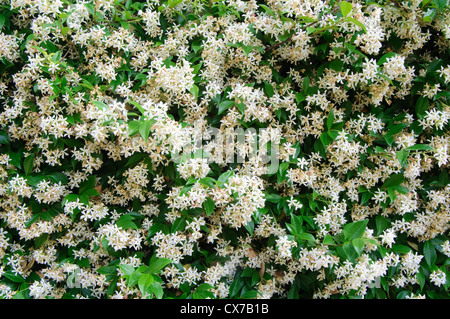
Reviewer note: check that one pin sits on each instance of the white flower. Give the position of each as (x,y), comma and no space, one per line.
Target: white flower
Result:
(388,237)
(284,246)
(438,277)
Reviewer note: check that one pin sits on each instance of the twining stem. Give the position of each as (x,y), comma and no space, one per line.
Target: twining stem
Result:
(398,5)
(277,44)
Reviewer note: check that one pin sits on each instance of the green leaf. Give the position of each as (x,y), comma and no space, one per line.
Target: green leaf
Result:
(319,147)
(336,65)
(355,229)
(4,138)
(421,279)
(90,8)
(209,206)
(157,289)
(87,184)
(300,97)
(57,177)
(28,164)
(241,107)
(14,278)
(2,20)
(83,262)
(197,45)
(385,57)
(178,225)
(133,278)
(330,119)
(389,139)
(268,89)
(196,68)
(371,241)
(107,270)
(391,193)
(422,105)
(440,4)
(90,192)
(134,127)
(253,274)
(100,105)
(236,285)
(135,158)
(433,66)
(402,156)
(274,198)
(224,105)
(325,139)
(250,226)
(419,147)
(70,198)
(328,240)
(16,159)
(429,15)
(157,264)
(138,106)
(311,30)
(401,189)
(19,294)
(397,128)
(127,270)
(393,180)
(352,49)
(174,3)
(350,251)
(306,236)
(144,283)
(145,127)
(440,94)
(32,220)
(251,294)
(401,249)
(194,90)
(247,49)
(207,181)
(365,197)
(223,178)
(202,292)
(346,8)
(443,178)
(296,226)
(65,30)
(429,253)
(126,222)
(306,82)
(268,10)
(381,224)
(39,241)
(358,244)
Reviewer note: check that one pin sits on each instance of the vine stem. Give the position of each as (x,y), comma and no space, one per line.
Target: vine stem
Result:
(276,45)
(398,5)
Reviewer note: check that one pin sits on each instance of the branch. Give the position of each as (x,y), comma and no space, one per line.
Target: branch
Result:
(398,5)
(276,45)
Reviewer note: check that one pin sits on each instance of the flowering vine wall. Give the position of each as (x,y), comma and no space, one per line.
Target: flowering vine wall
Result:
(224,149)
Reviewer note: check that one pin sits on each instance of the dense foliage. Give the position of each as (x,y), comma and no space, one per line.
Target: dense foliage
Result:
(224,149)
